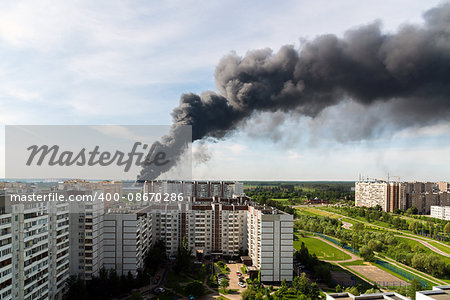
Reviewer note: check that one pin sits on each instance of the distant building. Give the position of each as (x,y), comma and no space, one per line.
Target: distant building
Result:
(440,212)
(401,195)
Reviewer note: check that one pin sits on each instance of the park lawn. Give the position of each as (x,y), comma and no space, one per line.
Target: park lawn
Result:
(321,249)
(321,212)
(415,244)
(358,262)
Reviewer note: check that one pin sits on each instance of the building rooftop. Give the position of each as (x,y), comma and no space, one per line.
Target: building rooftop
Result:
(378,296)
(438,292)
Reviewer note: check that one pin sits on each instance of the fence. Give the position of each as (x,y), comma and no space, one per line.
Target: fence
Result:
(401,272)
(346,247)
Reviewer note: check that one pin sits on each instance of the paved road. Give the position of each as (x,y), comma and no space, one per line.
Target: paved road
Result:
(426,244)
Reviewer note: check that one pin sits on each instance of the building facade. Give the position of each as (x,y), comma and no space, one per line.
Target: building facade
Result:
(270,242)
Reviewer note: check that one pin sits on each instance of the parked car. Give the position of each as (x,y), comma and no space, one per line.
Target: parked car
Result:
(238,273)
(241,284)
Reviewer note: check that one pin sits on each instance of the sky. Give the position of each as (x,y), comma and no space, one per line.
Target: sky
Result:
(128,62)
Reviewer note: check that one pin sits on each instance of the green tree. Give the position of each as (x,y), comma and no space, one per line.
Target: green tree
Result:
(366,253)
(447,228)
(194,288)
(224,283)
(413,288)
(358,226)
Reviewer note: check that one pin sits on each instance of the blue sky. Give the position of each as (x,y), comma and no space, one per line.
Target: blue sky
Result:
(127,62)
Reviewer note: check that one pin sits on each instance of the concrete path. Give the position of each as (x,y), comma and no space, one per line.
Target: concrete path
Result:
(426,244)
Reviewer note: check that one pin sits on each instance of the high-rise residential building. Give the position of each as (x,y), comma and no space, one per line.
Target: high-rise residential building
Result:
(371,193)
(211,226)
(270,242)
(440,212)
(40,245)
(401,195)
(225,225)
(30,245)
(86,235)
(5,254)
(127,238)
(59,267)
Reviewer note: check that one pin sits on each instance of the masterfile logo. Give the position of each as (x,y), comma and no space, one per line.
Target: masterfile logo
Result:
(95,152)
(95,157)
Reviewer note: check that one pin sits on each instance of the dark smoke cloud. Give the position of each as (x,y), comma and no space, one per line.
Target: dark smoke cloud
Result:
(409,69)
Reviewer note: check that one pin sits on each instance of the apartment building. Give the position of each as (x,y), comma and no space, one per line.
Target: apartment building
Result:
(270,242)
(59,267)
(127,238)
(401,195)
(213,226)
(371,193)
(197,189)
(5,255)
(86,235)
(40,248)
(440,212)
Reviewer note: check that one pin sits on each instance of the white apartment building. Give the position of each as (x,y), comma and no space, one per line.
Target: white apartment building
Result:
(197,189)
(40,245)
(86,235)
(270,242)
(211,226)
(127,237)
(30,228)
(5,256)
(371,194)
(440,212)
(59,255)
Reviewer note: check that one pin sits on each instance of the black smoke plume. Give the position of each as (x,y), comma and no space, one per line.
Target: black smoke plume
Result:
(410,69)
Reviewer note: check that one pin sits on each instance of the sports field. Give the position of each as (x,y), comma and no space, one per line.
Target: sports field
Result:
(321,249)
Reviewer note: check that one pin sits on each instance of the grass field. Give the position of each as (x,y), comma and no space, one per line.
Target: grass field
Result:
(315,211)
(358,262)
(321,249)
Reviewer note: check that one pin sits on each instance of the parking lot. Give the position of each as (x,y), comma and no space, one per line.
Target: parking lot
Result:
(233,278)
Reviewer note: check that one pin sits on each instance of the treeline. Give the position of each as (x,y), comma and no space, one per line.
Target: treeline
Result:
(432,227)
(107,285)
(286,208)
(368,242)
(320,269)
(298,193)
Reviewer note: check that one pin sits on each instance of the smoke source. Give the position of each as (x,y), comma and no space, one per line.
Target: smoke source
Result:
(410,69)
